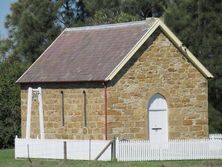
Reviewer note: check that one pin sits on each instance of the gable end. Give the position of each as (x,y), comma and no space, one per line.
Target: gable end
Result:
(185,51)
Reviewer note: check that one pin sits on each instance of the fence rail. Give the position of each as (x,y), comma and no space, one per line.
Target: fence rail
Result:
(132,150)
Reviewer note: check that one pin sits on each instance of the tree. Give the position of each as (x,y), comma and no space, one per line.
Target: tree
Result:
(10,122)
(5,46)
(144,8)
(32,26)
(114,11)
(106,12)
(71,12)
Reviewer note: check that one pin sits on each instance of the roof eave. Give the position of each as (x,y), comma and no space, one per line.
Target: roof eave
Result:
(45,82)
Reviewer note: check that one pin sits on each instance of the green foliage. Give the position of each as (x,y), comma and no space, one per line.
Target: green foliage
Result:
(71,12)
(5,45)
(115,11)
(32,27)
(215,121)
(11,70)
(107,17)
(106,12)
(96,5)
(144,8)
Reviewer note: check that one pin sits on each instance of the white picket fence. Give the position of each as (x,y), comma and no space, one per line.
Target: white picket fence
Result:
(61,149)
(36,148)
(131,150)
(215,136)
(172,150)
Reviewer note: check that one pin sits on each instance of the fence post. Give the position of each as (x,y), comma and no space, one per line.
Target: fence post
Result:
(30,161)
(65,150)
(28,151)
(161,151)
(114,145)
(113,149)
(89,149)
(16,147)
(117,148)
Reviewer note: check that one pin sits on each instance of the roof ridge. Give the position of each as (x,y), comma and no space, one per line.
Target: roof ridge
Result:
(107,26)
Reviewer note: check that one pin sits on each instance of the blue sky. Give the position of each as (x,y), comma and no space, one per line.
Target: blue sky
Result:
(4,10)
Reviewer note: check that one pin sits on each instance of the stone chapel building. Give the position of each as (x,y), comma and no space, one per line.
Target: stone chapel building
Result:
(131,80)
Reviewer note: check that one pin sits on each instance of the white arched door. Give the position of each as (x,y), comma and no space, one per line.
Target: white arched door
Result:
(158,121)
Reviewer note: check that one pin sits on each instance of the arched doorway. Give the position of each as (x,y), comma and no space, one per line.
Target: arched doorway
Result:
(158,120)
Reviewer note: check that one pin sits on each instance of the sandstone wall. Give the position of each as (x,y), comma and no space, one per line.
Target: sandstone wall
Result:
(73,112)
(158,67)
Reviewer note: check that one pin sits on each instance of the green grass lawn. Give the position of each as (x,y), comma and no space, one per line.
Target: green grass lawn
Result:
(7,160)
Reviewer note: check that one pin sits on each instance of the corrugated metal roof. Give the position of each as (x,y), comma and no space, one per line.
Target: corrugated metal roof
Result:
(86,53)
